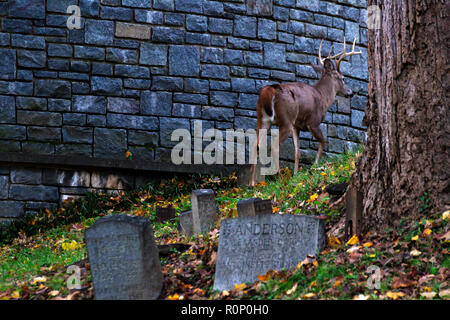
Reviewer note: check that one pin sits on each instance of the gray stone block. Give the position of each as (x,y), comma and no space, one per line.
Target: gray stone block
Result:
(53,88)
(106,86)
(4,187)
(39,118)
(36,193)
(112,142)
(217,113)
(274,55)
(30,9)
(143,138)
(223,98)
(121,55)
(12,132)
(11,209)
(167,126)
(215,71)
(132,71)
(153,54)
(89,104)
(93,53)
(168,35)
(186,110)
(77,134)
(44,134)
(184,61)
(132,122)
(267,29)
(167,83)
(123,105)
(27,41)
(156,103)
(31,59)
(99,32)
(245,27)
(192,6)
(221,26)
(7,64)
(23,175)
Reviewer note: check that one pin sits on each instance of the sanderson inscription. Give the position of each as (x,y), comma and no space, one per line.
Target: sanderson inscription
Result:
(123,258)
(251,246)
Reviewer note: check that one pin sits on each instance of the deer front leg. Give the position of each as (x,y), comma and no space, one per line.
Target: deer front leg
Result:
(296,149)
(317,133)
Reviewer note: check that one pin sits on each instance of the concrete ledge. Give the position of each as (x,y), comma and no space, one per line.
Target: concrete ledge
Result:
(79,162)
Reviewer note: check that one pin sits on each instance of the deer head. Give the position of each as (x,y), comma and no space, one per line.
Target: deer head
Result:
(328,70)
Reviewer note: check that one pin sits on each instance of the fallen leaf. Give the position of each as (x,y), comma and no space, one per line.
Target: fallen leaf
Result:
(428,295)
(353,249)
(353,240)
(402,283)
(309,295)
(292,290)
(239,287)
(426,232)
(361,297)
(263,277)
(446,215)
(333,242)
(444,293)
(368,244)
(394,295)
(415,253)
(415,238)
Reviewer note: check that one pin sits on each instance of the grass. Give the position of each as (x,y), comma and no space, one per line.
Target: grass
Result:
(36,252)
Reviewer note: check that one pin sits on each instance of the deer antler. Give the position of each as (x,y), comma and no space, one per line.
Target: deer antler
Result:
(345,54)
(329,53)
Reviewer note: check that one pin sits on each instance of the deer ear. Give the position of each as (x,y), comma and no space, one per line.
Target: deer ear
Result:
(318,69)
(328,65)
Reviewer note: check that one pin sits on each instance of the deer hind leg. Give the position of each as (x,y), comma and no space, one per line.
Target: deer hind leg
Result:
(296,149)
(284,132)
(317,133)
(254,152)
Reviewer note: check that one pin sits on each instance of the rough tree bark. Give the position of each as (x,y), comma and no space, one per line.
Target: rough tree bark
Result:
(407,116)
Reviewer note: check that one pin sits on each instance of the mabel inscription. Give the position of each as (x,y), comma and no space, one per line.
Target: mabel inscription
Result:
(123,258)
(251,246)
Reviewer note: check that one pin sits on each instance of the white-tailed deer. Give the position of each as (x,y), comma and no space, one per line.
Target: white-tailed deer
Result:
(297,106)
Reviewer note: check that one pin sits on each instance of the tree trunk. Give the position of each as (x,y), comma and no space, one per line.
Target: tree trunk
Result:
(406,160)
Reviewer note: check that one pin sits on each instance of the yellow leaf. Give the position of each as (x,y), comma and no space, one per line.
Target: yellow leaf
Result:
(174,297)
(15,295)
(315,263)
(333,242)
(394,295)
(39,279)
(368,244)
(263,277)
(372,255)
(313,197)
(415,238)
(239,287)
(313,284)
(292,290)
(309,295)
(426,232)
(337,283)
(415,253)
(353,240)
(446,215)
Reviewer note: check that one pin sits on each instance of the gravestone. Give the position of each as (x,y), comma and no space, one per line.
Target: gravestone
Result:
(185,224)
(204,211)
(253,206)
(251,246)
(164,214)
(124,259)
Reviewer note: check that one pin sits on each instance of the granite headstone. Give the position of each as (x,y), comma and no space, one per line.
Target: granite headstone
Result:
(251,246)
(185,225)
(124,259)
(253,206)
(204,212)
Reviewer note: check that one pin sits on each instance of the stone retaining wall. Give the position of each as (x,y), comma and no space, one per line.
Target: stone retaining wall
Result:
(138,69)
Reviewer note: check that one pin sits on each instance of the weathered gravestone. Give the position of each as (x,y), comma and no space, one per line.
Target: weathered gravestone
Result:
(164,214)
(251,246)
(204,212)
(253,206)
(123,258)
(185,225)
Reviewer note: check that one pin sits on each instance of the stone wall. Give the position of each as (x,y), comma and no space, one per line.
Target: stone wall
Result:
(138,69)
